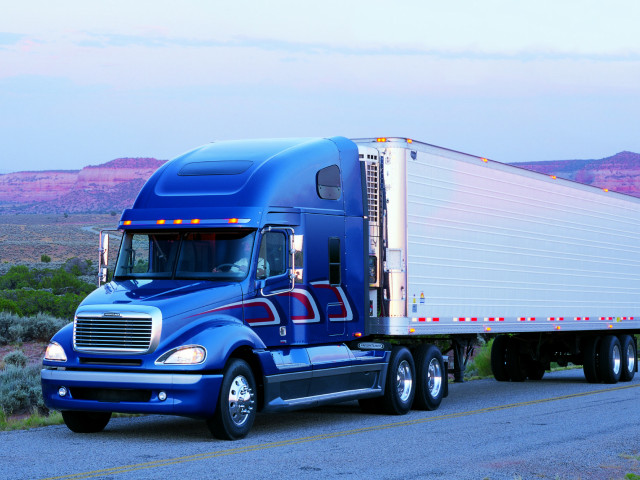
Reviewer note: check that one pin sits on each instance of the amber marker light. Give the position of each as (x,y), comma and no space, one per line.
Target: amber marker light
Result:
(357,334)
(487,329)
(233,220)
(127,222)
(177,221)
(160,222)
(412,330)
(605,189)
(195,221)
(554,177)
(409,140)
(484,160)
(381,139)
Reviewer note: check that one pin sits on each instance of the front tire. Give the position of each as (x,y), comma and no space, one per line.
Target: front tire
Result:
(236,408)
(85,422)
(430,378)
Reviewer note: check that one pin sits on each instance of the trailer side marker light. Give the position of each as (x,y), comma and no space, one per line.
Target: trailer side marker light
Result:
(233,220)
(554,177)
(195,220)
(357,334)
(127,222)
(177,221)
(605,189)
(381,139)
(610,326)
(160,222)
(412,330)
(558,327)
(484,160)
(487,329)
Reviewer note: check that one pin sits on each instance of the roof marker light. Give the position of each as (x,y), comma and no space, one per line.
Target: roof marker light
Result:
(195,220)
(177,221)
(484,160)
(409,140)
(127,222)
(233,220)
(554,177)
(357,334)
(605,189)
(381,139)
(160,222)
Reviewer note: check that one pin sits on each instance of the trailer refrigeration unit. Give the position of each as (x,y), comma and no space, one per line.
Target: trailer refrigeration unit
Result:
(270,275)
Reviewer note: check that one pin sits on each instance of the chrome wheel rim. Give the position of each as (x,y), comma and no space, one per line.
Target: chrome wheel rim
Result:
(616,359)
(434,378)
(631,358)
(240,401)
(404,380)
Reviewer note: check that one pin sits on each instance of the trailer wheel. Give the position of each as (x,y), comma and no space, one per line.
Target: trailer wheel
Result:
(236,408)
(400,384)
(610,359)
(590,359)
(628,359)
(430,375)
(499,358)
(85,422)
(516,365)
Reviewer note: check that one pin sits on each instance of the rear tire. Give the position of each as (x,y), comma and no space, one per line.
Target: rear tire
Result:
(515,363)
(610,362)
(535,370)
(629,358)
(499,358)
(430,378)
(400,388)
(85,422)
(236,408)
(590,359)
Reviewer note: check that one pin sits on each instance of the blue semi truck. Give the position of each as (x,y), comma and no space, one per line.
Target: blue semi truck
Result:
(271,275)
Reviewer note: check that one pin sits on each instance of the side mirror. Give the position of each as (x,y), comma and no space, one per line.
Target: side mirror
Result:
(104,249)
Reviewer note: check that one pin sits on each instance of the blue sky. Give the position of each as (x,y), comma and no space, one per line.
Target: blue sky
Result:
(84,82)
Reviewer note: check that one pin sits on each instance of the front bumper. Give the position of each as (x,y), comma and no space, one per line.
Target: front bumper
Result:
(191,395)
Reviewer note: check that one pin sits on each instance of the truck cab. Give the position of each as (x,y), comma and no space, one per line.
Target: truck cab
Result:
(241,285)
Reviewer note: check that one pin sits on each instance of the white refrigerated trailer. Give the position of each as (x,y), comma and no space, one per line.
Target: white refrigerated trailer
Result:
(462,246)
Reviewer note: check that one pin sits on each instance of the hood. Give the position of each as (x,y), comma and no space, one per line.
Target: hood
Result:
(177,300)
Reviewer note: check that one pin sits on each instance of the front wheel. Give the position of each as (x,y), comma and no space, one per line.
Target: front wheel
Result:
(236,408)
(430,378)
(85,422)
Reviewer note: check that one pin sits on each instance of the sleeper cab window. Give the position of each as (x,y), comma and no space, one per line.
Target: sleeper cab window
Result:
(328,183)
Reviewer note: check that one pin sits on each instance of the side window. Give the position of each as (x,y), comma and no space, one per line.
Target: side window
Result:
(334,261)
(328,183)
(272,255)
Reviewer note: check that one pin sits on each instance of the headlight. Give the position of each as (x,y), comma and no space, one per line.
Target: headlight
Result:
(187,355)
(55,353)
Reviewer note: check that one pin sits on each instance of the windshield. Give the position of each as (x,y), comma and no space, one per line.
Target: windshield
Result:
(213,255)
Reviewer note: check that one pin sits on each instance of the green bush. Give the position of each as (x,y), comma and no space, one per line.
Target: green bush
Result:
(20,390)
(480,365)
(45,258)
(40,327)
(16,358)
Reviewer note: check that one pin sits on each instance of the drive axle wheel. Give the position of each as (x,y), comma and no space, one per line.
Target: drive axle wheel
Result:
(236,408)
(85,422)
(430,373)
(400,384)
(499,358)
(590,359)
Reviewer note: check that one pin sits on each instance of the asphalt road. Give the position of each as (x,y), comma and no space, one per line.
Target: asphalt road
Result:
(560,427)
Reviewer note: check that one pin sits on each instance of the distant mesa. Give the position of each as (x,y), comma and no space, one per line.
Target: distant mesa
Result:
(113,186)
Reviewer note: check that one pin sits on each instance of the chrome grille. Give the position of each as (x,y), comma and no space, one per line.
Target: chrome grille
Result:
(373,191)
(131,332)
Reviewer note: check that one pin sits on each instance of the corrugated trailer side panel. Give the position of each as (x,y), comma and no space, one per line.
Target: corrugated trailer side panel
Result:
(492,242)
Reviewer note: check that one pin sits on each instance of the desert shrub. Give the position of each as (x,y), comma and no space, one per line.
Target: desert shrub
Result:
(45,258)
(20,390)
(480,364)
(61,280)
(40,327)
(9,306)
(77,266)
(15,358)
(32,302)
